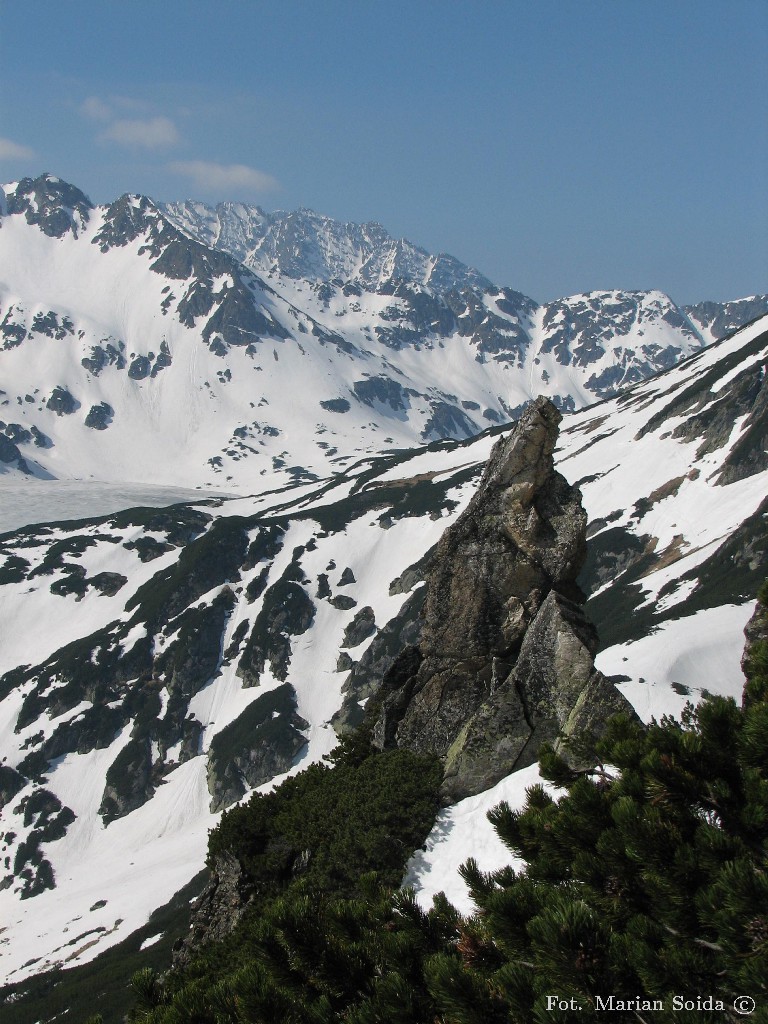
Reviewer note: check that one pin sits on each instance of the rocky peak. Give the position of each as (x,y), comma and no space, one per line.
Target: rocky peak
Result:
(54,205)
(716,320)
(522,533)
(506,656)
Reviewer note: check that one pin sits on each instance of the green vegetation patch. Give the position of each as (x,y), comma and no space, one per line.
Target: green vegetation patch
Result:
(341,821)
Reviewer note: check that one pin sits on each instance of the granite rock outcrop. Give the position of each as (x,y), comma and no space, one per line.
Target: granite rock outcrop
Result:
(505,660)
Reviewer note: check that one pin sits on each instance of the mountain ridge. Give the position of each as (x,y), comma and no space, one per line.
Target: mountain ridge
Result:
(235,379)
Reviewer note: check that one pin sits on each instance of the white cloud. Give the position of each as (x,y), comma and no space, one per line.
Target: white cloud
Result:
(148,133)
(224,177)
(14,151)
(95,109)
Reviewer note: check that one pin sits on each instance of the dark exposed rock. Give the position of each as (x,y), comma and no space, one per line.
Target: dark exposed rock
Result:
(126,219)
(163,359)
(16,432)
(13,570)
(336,405)
(108,583)
(447,420)
(11,782)
(261,743)
(237,321)
(55,206)
(580,329)
(140,368)
(383,390)
(554,693)
(99,416)
(286,611)
(366,675)
(74,582)
(745,396)
(218,909)
(505,657)
(265,545)
(344,663)
(31,868)
(406,581)
(342,602)
(730,575)
(722,318)
(100,357)
(208,561)
(41,440)
(346,578)
(608,555)
(129,780)
(233,318)
(190,661)
(749,455)
(258,585)
(62,402)
(10,454)
(505,339)
(11,330)
(43,810)
(240,633)
(148,548)
(360,628)
(49,324)
(705,392)
(95,729)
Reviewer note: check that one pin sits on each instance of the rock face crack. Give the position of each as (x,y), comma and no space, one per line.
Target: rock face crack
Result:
(505,660)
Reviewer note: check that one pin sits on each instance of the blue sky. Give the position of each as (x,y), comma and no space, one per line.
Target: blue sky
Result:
(557,145)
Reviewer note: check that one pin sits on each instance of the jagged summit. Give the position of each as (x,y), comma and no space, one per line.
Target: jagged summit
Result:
(303,244)
(505,658)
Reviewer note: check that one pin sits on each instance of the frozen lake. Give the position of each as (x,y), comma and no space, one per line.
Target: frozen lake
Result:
(46,501)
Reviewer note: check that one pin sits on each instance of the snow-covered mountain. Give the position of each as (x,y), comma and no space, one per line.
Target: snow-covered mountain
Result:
(716,319)
(157,665)
(239,350)
(304,245)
